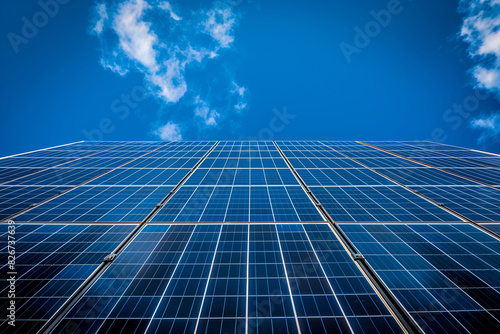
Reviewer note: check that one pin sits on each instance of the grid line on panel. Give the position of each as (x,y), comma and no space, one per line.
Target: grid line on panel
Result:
(56,265)
(461,278)
(480,279)
(248,279)
(397,310)
(424,164)
(425,146)
(301,182)
(42,149)
(262,193)
(168,284)
(13,181)
(81,184)
(329,283)
(181,182)
(145,261)
(59,315)
(441,205)
(403,186)
(208,280)
(287,280)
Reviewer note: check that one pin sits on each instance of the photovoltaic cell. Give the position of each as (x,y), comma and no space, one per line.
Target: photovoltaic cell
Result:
(14,199)
(378,204)
(52,261)
(442,274)
(9,174)
(230,278)
(33,162)
(59,177)
(238,204)
(342,177)
(489,176)
(476,203)
(423,176)
(98,204)
(228,251)
(141,177)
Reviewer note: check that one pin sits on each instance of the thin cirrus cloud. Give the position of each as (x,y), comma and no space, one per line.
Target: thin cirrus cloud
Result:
(160,41)
(203,111)
(481,30)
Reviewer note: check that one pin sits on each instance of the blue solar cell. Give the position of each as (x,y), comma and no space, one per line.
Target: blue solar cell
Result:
(98,204)
(14,199)
(52,261)
(236,204)
(478,203)
(245,276)
(196,277)
(427,276)
(382,204)
(59,177)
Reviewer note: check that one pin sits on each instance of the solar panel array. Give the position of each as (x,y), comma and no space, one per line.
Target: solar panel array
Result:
(251,237)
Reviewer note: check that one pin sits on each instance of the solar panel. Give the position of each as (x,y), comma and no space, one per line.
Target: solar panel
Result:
(52,261)
(423,176)
(9,174)
(59,177)
(253,237)
(238,204)
(489,176)
(477,203)
(442,274)
(14,199)
(378,204)
(98,204)
(208,278)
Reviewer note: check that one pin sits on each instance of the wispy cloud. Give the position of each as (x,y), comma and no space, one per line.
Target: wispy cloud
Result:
(489,125)
(203,110)
(241,97)
(168,8)
(135,37)
(162,41)
(481,30)
(169,132)
(219,24)
(101,15)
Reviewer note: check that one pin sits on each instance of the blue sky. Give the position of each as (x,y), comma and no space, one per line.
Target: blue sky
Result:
(240,69)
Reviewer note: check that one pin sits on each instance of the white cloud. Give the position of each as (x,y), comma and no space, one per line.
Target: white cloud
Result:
(170,82)
(238,89)
(169,132)
(487,78)
(481,30)
(204,111)
(113,66)
(240,106)
(151,38)
(135,37)
(101,17)
(168,8)
(219,25)
(489,125)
